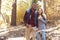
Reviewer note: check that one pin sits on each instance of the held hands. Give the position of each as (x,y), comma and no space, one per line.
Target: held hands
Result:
(35,28)
(27,25)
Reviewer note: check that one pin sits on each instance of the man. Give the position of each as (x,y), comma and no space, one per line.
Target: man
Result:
(30,19)
(29,16)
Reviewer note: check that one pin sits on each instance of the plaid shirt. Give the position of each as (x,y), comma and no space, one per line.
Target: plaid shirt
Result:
(31,18)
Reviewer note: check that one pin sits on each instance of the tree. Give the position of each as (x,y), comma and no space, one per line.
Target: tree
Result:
(0,6)
(13,17)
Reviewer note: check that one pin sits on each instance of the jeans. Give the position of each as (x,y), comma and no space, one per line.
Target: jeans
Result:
(43,36)
(42,28)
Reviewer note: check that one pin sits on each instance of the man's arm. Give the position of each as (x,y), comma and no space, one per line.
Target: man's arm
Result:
(25,21)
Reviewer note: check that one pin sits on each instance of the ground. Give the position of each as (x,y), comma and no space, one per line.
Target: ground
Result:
(18,33)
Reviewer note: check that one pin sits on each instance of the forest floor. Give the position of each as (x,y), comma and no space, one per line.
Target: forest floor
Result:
(18,33)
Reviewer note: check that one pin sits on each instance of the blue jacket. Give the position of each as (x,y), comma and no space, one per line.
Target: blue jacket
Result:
(28,17)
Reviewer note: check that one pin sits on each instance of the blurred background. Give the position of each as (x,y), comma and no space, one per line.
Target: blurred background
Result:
(14,10)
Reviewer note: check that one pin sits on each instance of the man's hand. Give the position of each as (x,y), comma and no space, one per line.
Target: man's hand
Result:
(35,28)
(27,25)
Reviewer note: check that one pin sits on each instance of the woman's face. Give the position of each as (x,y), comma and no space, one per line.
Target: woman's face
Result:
(40,11)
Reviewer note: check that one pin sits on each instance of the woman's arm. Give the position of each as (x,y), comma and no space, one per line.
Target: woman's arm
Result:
(41,19)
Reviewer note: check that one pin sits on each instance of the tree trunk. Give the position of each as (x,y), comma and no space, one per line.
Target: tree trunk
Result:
(0,6)
(13,18)
(44,6)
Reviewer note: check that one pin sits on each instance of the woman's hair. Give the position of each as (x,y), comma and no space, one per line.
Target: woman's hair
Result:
(41,13)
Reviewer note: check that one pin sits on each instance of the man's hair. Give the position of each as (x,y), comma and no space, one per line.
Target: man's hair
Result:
(33,3)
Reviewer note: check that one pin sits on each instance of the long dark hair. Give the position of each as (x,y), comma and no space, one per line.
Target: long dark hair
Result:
(41,14)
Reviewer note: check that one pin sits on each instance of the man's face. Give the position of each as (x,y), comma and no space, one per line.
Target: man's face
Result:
(33,6)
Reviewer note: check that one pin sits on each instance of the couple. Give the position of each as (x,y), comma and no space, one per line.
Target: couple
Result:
(35,19)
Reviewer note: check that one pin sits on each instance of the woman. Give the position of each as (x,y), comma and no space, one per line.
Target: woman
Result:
(42,21)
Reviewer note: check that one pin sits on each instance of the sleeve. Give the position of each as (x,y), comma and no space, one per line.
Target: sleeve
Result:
(35,18)
(44,15)
(24,19)
(41,19)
